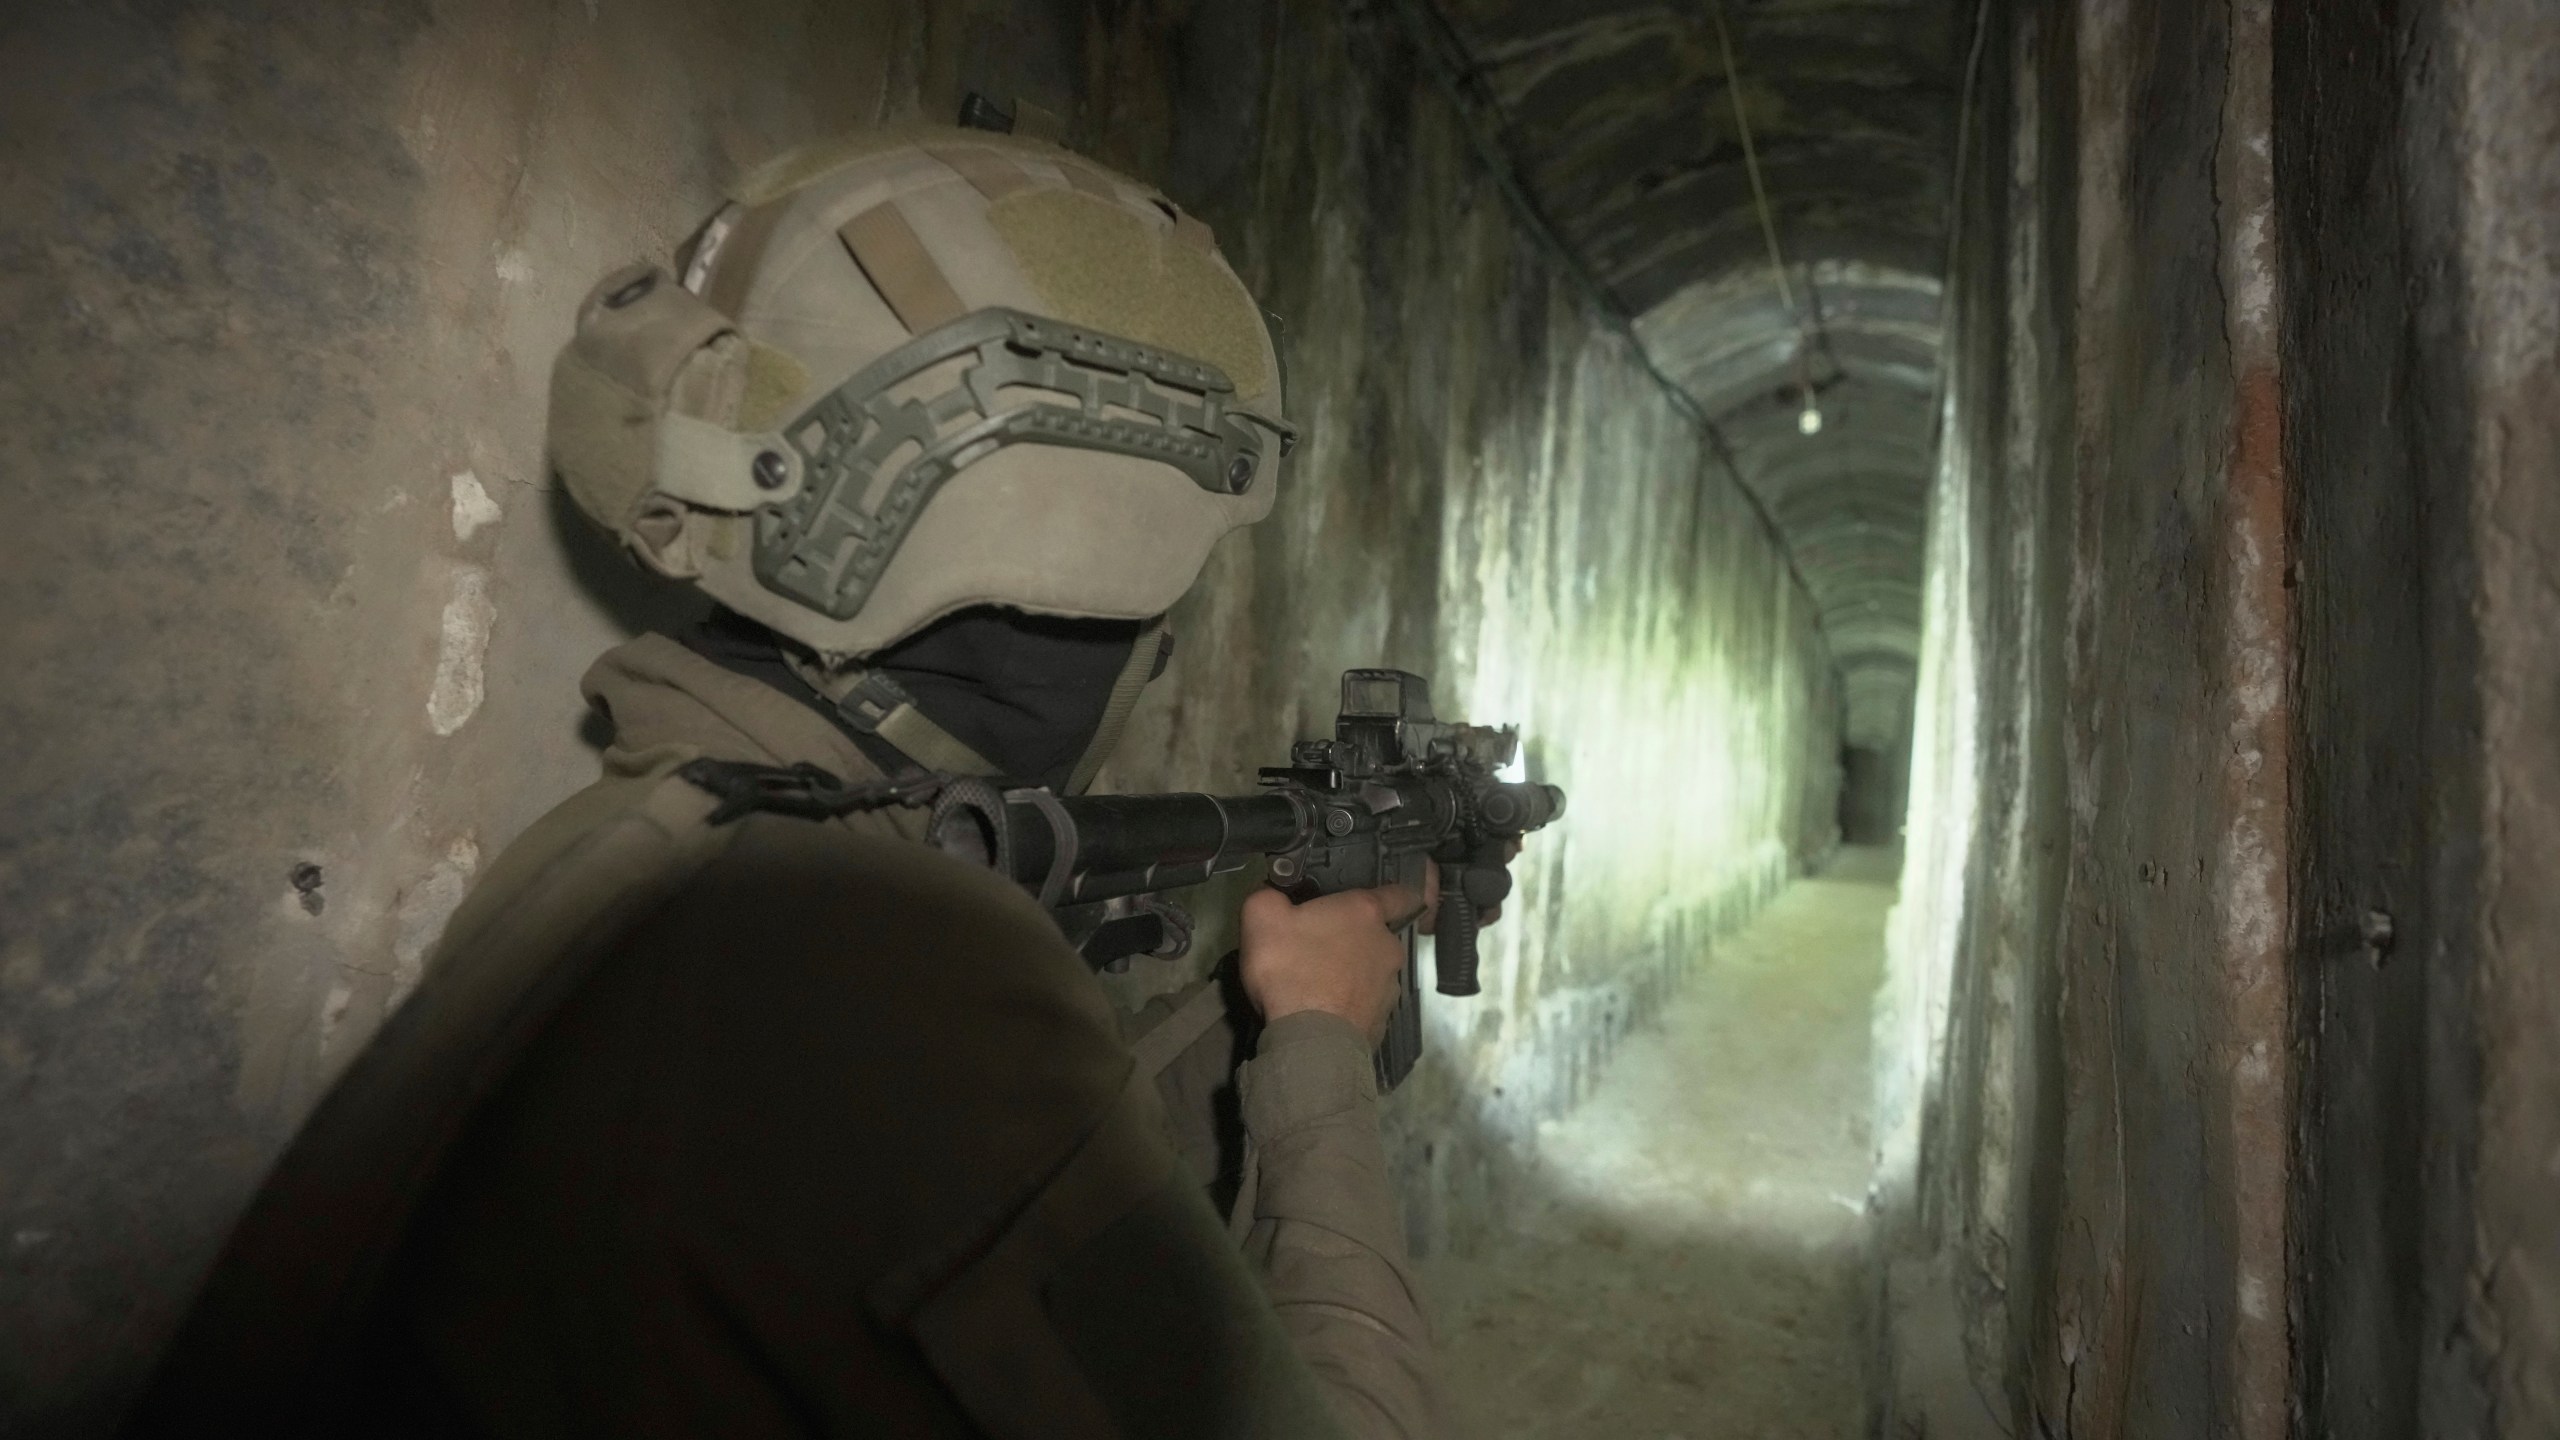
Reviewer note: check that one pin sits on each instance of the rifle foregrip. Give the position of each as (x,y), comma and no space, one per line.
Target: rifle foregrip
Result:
(1455,939)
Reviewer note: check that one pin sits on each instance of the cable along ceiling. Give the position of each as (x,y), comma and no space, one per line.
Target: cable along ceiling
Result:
(1766,192)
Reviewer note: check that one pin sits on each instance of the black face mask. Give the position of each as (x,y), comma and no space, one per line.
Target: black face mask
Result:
(1026,691)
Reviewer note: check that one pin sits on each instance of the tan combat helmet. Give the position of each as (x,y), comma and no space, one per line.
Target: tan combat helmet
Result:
(919,371)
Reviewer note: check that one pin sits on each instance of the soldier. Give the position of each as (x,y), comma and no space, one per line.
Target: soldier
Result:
(762,1124)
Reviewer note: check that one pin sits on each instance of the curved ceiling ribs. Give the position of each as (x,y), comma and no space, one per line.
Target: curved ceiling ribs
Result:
(1618,122)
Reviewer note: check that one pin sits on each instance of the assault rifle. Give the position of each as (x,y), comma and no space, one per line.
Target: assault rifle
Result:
(1392,789)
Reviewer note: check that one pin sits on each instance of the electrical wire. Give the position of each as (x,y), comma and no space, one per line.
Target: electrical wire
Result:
(1751,163)
(1453,70)
(1957,213)
(1810,422)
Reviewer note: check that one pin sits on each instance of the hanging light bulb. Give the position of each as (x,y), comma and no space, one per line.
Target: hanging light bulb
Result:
(1808,419)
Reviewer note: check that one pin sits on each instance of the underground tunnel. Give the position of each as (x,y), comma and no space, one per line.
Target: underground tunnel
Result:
(2026,532)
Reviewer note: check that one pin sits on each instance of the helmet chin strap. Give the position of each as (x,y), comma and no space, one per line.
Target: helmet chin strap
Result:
(874,703)
(1146,659)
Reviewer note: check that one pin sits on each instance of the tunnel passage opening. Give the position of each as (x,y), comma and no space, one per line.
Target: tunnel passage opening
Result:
(1765,190)
(1875,790)
(1856,343)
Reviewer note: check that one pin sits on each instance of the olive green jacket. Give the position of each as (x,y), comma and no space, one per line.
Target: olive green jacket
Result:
(785,1127)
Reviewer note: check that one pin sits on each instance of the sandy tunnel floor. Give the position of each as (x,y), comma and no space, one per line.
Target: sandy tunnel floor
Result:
(1698,1268)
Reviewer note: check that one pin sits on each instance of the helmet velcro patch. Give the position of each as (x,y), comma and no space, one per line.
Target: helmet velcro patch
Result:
(1099,263)
(899,266)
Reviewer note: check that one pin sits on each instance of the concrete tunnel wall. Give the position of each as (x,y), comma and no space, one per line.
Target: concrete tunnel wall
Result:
(1649,135)
(1969,1066)
(292,589)
(2424,360)
(2103,775)
(2238,636)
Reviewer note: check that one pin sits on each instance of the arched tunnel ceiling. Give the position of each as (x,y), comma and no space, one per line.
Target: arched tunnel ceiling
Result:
(1618,118)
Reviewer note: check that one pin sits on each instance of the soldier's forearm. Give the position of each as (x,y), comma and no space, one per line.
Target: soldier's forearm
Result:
(1325,1232)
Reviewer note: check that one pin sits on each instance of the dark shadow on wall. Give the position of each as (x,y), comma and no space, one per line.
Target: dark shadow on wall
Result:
(2392,890)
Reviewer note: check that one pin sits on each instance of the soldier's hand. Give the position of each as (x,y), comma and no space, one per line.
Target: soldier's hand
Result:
(1510,853)
(1336,953)
(1484,920)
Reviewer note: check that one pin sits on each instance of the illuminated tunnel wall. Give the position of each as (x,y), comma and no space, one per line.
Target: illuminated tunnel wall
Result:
(1848,497)
(1496,491)
(1621,121)
(1825,390)
(285,282)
